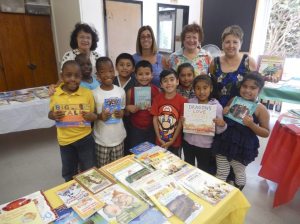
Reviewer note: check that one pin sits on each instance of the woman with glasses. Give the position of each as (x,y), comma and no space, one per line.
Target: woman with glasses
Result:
(146,49)
(191,51)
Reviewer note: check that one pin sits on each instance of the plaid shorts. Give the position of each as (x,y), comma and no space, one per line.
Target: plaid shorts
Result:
(105,155)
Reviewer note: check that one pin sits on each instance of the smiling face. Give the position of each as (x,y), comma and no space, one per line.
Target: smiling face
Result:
(231,45)
(146,39)
(106,73)
(71,77)
(84,41)
(169,83)
(144,76)
(186,77)
(249,90)
(85,66)
(202,91)
(191,41)
(125,68)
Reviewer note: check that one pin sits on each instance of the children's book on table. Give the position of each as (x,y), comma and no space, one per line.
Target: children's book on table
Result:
(140,148)
(142,97)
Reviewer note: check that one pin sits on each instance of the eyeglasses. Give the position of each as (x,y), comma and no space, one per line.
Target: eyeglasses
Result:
(146,37)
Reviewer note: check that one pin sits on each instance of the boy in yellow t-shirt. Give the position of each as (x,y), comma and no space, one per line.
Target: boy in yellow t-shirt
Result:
(72,107)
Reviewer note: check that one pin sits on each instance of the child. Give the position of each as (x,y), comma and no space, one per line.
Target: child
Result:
(125,68)
(109,136)
(167,110)
(88,80)
(186,75)
(141,121)
(238,145)
(199,146)
(77,146)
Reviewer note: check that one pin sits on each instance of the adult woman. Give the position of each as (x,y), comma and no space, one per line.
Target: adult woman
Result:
(146,49)
(191,52)
(230,68)
(84,39)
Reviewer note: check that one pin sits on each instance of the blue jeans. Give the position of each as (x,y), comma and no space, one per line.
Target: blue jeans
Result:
(81,152)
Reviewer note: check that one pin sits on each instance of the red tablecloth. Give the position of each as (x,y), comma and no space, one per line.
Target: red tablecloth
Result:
(281,162)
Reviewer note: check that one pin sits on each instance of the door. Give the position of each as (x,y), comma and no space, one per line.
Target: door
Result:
(123,20)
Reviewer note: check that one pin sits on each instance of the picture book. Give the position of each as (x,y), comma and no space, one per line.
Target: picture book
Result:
(112,104)
(40,92)
(73,115)
(140,148)
(40,202)
(205,186)
(150,155)
(93,180)
(239,108)
(120,205)
(142,97)
(27,213)
(198,119)
(87,206)
(171,199)
(151,216)
(22,97)
(72,194)
(119,165)
(271,66)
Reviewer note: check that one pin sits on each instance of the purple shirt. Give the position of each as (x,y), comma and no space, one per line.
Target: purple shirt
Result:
(205,141)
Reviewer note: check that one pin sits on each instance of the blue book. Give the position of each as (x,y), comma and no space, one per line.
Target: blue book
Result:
(140,148)
(142,97)
(112,104)
(152,215)
(239,108)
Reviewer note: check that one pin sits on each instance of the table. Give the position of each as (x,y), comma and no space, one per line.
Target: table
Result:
(281,162)
(21,116)
(286,91)
(231,209)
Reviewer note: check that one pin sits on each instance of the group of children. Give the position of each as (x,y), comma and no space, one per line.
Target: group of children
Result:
(161,123)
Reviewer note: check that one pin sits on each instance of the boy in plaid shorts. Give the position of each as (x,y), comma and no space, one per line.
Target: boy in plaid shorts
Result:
(109,131)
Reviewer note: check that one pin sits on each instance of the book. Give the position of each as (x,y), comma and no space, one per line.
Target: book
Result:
(151,216)
(93,180)
(87,206)
(120,205)
(25,97)
(171,200)
(239,108)
(142,97)
(27,213)
(271,66)
(40,202)
(112,104)
(72,194)
(40,92)
(205,186)
(73,115)
(150,155)
(140,148)
(198,119)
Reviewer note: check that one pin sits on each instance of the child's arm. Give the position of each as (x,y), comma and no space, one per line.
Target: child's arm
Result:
(156,129)
(56,116)
(219,121)
(176,133)
(262,129)
(104,115)
(129,107)
(89,116)
(119,113)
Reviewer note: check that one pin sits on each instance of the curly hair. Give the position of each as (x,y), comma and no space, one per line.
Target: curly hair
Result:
(87,29)
(194,28)
(138,40)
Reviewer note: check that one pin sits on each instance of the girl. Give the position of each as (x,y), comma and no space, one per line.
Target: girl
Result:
(199,146)
(186,76)
(238,145)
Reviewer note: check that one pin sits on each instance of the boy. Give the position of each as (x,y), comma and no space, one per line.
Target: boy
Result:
(109,131)
(77,146)
(141,121)
(125,68)
(167,109)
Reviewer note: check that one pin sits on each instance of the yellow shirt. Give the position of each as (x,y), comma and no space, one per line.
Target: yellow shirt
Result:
(82,98)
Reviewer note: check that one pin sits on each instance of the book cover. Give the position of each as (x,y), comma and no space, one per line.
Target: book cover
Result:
(151,216)
(112,104)
(72,194)
(87,206)
(271,66)
(150,155)
(169,163)
(27,213)
(172,200)
(143,147)
(205,186)
(22,97)
(73,115)
(93,180)
(239,108)
(120,205)
(198,119)
(40,92)
(40,202)
(142,97)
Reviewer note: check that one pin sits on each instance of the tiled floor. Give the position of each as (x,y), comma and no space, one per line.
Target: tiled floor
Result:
(30,161)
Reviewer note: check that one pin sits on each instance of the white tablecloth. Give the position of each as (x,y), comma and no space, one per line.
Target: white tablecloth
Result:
(25,116)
